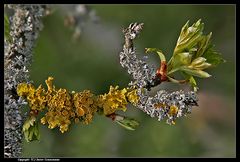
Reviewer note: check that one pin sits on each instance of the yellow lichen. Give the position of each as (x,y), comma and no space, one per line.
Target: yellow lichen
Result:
(173,110)
(43,120)
(49,84)
(114,100)
(76,120)
(63,106)
(24,89)
(133,97)
(79,111)
(85,104)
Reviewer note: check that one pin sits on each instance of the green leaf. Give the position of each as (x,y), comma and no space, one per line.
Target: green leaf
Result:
(200,64)
(30,135)
(198,61)
(213,57)
(29,122)
(186,47)
(31,129)
(203,44)
(26,126)
(127,123)
(189,36)
(181,59)
(193,83)
(158,51)
(192,55)
(26,135)
(36,134)
(6,28)
(194,72)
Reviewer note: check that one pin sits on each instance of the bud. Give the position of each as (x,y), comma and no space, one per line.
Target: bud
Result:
(198,61)
(203,66)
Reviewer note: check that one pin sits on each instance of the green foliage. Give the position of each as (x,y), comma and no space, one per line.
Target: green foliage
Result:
(193,54)
(158,51)
(128,123)
(31,129)
(189,36)
(193,83)
(213,57)
(194,72)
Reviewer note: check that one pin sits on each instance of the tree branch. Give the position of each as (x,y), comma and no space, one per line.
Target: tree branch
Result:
(25,25)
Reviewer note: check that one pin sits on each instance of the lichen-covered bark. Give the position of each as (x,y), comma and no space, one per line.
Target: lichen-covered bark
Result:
(25,25)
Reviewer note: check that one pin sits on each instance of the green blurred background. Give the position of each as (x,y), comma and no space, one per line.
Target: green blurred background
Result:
(93,63)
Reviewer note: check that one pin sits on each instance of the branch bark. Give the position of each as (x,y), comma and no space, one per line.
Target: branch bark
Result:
(25,25)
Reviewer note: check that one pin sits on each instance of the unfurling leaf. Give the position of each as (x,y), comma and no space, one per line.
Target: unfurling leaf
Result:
(187,45)
(128,123)
(189,36)
(203,44)
(180,59)
(198,61)
(31,130)
(202,66)
(195,72)
(193,54)
(193,83)
(158,51)
(199,64)
(213,57)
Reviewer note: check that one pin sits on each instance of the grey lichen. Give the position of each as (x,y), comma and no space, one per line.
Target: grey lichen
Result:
(161,105)
(25,25)
(141,72)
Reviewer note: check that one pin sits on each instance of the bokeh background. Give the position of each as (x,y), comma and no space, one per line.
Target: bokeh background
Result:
(92,62)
